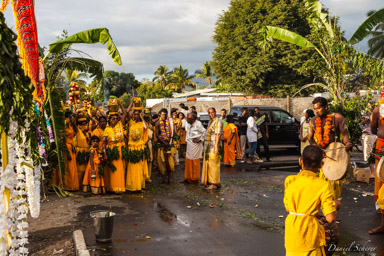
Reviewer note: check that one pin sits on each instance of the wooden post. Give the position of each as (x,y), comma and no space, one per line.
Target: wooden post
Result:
(288,104)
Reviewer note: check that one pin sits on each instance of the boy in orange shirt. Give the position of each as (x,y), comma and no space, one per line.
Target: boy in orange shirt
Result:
(304,195)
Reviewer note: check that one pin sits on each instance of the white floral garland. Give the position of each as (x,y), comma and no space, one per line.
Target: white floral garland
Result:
(25,181)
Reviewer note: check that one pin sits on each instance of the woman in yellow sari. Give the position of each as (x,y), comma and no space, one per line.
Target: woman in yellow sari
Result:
(138,153)
(82,145)
(93,180)
(99,132)
(71,179)
(231,143)
(113,142)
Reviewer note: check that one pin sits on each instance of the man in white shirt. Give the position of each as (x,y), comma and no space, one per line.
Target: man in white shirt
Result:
(195,132)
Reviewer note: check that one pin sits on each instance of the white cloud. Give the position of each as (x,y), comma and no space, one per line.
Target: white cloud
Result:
(150,33)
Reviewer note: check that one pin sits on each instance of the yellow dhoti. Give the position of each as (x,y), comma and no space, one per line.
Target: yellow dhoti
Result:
(211,170)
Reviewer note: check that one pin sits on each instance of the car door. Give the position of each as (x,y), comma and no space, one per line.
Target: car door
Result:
(283,128)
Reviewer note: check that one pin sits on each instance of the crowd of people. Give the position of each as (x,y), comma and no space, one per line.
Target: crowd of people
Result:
(116,151)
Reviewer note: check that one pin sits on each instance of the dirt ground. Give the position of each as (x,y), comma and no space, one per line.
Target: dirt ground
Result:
(249,199)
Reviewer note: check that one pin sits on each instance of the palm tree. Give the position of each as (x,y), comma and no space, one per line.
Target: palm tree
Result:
(162,75)
(206,73)
(180,78)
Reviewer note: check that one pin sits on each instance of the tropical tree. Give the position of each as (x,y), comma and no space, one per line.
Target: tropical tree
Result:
(338,57)
(162,75)
(180,78)
(206,72)
(243,64)
(151,90)
(117,84)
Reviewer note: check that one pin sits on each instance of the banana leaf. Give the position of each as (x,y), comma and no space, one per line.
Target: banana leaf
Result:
(91,36)
(367,26)
(57,116)
(288,36)
(316,8)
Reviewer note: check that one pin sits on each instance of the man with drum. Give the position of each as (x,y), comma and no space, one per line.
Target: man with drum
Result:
(324,129)
(377,127)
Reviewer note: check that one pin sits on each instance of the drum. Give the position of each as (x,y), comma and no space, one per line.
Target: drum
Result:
(380,170)
(336,161)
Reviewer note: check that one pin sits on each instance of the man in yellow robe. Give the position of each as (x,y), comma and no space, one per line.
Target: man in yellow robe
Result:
(164,130)
(304,194)
(210,174)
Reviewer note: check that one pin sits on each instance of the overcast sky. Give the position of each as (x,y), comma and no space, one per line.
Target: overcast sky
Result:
(150,33)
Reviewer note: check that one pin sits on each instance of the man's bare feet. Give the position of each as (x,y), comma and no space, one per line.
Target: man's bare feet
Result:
(379,229)
(211,187)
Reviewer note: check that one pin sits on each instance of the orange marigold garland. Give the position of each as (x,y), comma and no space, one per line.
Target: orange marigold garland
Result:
(322,134)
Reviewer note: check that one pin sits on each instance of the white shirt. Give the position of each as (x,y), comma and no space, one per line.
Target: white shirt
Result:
(194,131)
(251,129)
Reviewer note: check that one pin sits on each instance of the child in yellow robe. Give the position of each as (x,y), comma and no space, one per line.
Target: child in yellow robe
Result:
(304,194)
(92,180)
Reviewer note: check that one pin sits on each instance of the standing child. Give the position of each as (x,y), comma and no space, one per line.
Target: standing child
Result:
(93,181)
(304,195)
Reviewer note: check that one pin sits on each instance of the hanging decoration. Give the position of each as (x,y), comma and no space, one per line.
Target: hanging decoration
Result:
(74,94)
(27,38)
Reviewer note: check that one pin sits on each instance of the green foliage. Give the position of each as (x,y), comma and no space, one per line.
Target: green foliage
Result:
(353,109)
(91,36)
(150,90)
(15,88)
(180,78)
(125,99)
(112,154)
(162,75)
(82,157)
(117,84)
(366,27)
(339,59)
(206,72)
(241,62)
(135,156)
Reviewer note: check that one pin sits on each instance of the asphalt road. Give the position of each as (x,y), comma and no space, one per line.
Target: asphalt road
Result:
(245,217)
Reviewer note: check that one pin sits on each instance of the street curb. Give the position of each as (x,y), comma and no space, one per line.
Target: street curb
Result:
(80,246)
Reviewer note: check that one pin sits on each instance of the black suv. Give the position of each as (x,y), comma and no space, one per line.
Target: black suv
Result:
(283,128)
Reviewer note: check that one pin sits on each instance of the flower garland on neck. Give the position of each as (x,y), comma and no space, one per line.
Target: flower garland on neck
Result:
(322,133)
(165,131)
